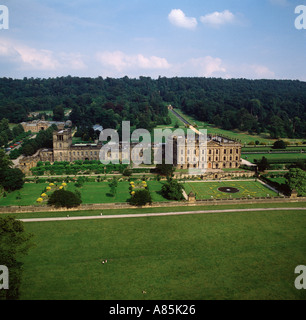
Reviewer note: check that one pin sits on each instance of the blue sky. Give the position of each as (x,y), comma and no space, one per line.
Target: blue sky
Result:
(221,38)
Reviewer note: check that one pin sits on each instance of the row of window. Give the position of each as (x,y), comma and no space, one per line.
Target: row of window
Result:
(209,159)
(230,165)
(86,153)
(210,151)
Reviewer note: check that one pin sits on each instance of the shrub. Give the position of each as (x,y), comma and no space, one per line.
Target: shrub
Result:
(63,198)
(141,198)
(172,190)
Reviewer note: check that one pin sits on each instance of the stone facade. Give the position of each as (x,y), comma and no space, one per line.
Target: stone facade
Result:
(40,125)
(219,153)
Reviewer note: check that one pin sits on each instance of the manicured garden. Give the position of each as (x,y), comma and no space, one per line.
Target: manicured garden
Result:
(209,190)
(100,192)
(91,192)
(195,257)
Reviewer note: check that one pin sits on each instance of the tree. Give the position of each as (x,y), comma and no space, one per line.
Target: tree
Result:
(63,198)
(172,190)
(141,198)
(113,187)
(14,243)
(58,113)
(263,164)
(12,179)
(165,169)
(279,144)
(296,179)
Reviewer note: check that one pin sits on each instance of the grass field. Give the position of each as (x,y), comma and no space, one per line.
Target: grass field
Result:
(279,157)
(92,192)
(196,257)
(207,190)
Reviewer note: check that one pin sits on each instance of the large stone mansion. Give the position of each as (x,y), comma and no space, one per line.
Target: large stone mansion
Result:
(220,153)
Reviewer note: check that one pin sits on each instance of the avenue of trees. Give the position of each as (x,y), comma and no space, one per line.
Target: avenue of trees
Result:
(275,106)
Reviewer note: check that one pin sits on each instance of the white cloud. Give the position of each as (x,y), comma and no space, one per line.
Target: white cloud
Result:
(261,72)
(178,18)
(28,58)
(206,66)
(250,71)
(122,62)
(217,19)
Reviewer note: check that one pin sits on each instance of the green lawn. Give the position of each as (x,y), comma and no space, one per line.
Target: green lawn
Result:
(207,190)
(29,193)
(92,192)
(194,257)
(279,157)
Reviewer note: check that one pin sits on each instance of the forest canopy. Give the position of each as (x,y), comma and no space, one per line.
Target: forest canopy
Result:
(276,106)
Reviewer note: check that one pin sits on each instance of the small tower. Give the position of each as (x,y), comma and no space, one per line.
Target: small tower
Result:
(62,141)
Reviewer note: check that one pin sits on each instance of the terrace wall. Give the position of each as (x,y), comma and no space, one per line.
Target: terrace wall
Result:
(104,206)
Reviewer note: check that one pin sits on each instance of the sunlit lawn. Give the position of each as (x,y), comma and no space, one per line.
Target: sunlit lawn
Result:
(211,256)
(209,190)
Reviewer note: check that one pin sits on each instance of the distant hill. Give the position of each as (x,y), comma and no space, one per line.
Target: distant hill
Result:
(276,106)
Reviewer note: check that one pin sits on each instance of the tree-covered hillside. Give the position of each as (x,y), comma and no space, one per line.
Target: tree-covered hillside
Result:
(276,106)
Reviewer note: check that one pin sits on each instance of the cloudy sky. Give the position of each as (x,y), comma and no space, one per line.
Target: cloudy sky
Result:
(113,38)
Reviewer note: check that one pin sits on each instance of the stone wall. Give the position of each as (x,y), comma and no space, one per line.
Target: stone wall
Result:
(101,206)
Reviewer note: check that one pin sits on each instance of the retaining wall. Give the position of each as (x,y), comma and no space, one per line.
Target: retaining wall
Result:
(101,206)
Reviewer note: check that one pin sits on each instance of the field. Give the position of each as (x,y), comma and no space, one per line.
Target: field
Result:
(92,192)
(208,190)
(194,257)
(275,157)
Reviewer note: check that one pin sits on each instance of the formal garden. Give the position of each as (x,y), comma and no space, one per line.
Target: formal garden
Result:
(115,190)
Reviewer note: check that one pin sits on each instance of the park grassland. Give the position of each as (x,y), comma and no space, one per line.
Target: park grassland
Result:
(210,256)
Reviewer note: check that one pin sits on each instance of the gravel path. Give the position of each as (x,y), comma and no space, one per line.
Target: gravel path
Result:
(141,215)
